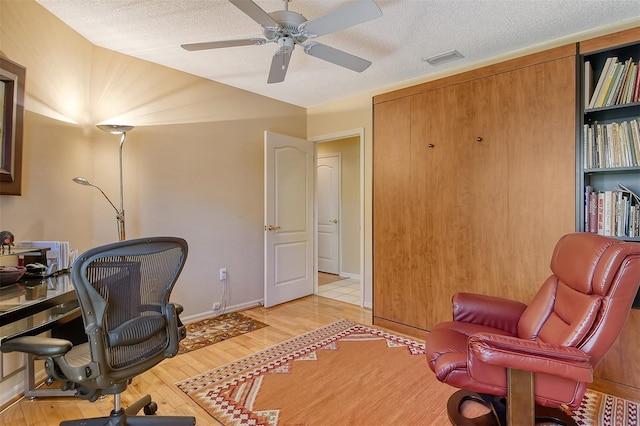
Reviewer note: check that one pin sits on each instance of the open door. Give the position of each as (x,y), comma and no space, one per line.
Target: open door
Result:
(328,208)
(288,204)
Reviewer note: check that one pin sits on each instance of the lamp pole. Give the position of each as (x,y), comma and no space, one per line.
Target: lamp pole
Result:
(120,215)
(83,181)
(116,130)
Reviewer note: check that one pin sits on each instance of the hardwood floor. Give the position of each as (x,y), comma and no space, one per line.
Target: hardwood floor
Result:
(285,321)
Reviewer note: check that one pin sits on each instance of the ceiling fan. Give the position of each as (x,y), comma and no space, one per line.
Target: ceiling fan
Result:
(287,28)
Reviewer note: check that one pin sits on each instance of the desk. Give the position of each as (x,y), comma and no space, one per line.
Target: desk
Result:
(34,306)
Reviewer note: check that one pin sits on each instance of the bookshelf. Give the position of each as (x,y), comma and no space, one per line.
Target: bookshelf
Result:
(609,137)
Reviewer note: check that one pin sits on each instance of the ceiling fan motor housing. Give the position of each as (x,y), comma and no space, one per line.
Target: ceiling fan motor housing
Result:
(289,23)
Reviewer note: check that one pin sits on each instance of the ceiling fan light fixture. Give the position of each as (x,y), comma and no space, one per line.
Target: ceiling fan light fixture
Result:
(442,58)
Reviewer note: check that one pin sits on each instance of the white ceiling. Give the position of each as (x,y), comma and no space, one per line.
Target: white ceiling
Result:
(408,31)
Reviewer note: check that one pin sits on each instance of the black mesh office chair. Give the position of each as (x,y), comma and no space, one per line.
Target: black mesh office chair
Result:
(123,290)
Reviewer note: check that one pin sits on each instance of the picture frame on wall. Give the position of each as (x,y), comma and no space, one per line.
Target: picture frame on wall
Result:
(12,87)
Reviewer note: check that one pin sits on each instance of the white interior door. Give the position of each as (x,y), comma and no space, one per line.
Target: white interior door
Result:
(288,203)
(328,187)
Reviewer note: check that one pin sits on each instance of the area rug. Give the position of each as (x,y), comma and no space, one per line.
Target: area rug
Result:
(344,374)
(212,330)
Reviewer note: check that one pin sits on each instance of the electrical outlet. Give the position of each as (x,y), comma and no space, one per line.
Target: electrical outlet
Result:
(223,274)
(216,306)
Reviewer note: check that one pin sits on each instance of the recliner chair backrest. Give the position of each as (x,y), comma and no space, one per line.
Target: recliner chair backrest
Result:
(584,306)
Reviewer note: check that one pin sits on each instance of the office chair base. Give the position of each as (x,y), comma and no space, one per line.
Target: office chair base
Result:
(145,403)
(124,420)
(498,414)
(133,421)
(127,417)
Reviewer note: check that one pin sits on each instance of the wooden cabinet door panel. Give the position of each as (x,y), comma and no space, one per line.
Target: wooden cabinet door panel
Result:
(391,201)
(433,245)
(460,195)
(538,127)
(485,191)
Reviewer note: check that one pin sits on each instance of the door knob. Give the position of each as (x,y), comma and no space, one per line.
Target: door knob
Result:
(334,221)
(273,228)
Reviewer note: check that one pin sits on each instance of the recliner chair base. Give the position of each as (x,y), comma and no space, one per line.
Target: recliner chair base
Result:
(498,406)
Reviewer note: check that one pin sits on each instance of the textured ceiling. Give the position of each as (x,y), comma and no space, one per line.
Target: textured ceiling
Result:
(408,31)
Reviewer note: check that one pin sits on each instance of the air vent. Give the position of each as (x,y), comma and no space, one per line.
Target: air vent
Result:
(443,58)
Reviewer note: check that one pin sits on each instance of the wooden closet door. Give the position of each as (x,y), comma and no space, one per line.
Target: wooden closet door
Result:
(435,128)
(482,175)
(391,206)
(536,122)
(471,192)
(459,189)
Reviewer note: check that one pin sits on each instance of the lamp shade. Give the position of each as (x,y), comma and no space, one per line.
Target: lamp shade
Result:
(116,129)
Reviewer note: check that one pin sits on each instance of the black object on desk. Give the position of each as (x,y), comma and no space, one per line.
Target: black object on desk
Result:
(34,306)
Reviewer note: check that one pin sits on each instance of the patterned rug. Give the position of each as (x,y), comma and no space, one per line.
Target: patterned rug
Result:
(320,378)
(212,330)
(606,410)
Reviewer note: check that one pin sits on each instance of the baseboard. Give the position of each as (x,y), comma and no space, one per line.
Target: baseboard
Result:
(228,309)
(614,388)
(350,275)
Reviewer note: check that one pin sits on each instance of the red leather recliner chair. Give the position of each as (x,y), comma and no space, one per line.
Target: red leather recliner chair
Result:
(506,354)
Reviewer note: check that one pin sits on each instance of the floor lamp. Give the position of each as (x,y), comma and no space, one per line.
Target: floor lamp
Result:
(116,130)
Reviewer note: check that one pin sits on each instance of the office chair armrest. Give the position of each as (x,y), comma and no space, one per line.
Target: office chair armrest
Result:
(176,330)
(38,346)
(182,331)
(528,355)
(491,311)
(179,308)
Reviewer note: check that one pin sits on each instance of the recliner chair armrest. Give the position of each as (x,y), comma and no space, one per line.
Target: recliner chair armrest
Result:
(535,356)
(492,311)
(38,346)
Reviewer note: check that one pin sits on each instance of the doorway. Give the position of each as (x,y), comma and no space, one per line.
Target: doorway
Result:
(339,225)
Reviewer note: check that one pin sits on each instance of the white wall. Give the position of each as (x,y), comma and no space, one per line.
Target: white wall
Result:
(192,166)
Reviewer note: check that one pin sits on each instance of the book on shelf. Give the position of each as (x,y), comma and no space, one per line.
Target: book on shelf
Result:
(588,82)
(608,217)
(600,208)
(612,212)
(593,212)
(618,83)
(603,77)
(615,144)
(612,85)
(625,92)
(635,137)
(636,90)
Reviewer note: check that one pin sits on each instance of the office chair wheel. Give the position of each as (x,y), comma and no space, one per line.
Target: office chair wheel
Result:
(150,408)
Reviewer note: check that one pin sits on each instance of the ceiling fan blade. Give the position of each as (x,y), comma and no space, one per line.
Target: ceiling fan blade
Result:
(336,56)
(348,16)
(279,66)
(223,43)
(255,12)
